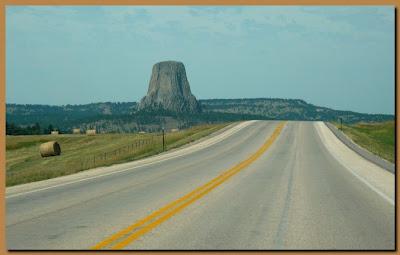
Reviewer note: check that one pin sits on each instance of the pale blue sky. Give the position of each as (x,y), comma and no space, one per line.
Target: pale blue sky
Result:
(339,57)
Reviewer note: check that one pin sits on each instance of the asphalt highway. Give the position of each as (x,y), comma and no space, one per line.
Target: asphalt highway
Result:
(268,185)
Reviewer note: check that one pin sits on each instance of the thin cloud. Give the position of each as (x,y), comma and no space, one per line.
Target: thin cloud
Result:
(158,22)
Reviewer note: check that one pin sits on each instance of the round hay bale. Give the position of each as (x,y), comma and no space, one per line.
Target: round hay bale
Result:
(51,148)
(76,131)
(91,132)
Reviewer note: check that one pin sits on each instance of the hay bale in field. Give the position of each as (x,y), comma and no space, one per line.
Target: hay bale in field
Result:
(76,131)
(54,132)
(91,132)
(51,148)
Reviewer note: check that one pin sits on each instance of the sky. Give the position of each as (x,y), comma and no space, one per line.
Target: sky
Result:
(337,57)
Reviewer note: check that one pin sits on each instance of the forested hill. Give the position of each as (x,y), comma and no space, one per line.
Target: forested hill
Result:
(289,109)
(124,117)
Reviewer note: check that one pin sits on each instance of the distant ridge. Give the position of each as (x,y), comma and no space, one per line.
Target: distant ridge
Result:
(290,109)
(125,117)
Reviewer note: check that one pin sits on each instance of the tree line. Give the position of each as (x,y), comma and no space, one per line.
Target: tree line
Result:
(35,129)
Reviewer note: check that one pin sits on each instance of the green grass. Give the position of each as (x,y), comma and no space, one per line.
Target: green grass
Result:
(378,137)
(80,152)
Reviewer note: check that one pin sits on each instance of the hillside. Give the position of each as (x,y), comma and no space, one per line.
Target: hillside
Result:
(378,138)
(80,152)
(124,117)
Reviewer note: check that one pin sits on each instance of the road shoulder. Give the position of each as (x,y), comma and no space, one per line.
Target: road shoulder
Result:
(361,151)
(375,177)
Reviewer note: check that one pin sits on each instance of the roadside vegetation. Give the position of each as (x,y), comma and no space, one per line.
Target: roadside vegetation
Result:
(80,152)
(377,137)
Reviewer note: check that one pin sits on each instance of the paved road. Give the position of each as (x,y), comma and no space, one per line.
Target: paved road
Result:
(280,190)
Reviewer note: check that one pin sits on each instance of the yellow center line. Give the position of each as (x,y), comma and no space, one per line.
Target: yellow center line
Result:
(133,232)
(155,214)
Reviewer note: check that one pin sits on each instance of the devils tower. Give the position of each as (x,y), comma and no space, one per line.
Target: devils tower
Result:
(169,90)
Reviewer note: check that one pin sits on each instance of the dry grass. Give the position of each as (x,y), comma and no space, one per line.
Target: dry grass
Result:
(378,138)
(80,152)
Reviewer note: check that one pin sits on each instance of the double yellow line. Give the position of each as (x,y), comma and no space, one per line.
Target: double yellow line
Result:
(126,236)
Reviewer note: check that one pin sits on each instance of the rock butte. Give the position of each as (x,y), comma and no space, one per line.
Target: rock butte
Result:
(169,90)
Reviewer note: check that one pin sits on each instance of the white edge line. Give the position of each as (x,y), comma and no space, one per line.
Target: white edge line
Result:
(383,195)
(134,167)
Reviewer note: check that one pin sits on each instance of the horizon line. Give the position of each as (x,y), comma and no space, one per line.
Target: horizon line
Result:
(293,99)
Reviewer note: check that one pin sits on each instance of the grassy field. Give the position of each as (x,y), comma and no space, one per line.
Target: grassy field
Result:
(80,152)
(378,138)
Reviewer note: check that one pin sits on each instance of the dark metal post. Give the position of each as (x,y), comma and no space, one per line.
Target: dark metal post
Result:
(341,125)
(163,139)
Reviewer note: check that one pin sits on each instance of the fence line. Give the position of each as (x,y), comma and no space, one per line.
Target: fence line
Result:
(119,153)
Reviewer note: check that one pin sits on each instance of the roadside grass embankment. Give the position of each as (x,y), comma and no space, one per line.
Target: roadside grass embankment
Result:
(81,152)
(376,137)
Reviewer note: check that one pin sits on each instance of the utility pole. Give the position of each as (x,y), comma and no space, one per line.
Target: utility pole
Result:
(163,139)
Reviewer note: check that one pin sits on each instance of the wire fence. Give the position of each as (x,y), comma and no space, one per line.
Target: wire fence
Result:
(137,148)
